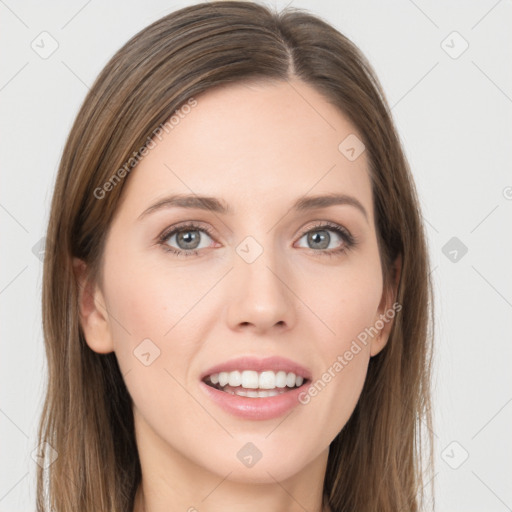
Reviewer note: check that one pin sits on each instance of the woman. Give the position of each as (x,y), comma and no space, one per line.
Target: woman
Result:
(236,298)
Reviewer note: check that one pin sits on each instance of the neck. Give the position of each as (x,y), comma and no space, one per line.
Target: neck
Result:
(140,504)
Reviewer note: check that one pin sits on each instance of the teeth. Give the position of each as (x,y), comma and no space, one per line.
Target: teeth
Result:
(249,379)
(223,378)
(281,379)
(235,379)
(267,380)
(255,394)
(272,392)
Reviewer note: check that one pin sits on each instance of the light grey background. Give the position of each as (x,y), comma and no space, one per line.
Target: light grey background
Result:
(454,116)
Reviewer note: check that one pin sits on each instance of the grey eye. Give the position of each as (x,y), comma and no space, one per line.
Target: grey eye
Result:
(321,238)
(188,239)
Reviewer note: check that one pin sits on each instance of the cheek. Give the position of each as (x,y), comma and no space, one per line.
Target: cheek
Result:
(346,299)
(348,303)
(357,311)
(150,316)
(147,302)
(155,343)
(335,391)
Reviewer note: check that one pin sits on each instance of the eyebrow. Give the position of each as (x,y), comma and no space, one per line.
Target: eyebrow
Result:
(192,201)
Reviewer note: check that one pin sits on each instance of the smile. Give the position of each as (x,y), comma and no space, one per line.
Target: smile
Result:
(253,384)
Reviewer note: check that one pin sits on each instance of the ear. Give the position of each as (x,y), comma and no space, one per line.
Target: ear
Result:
(387,309)
(92,311)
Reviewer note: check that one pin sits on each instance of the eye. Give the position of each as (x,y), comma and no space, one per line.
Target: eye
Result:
(319,239)
(187,237)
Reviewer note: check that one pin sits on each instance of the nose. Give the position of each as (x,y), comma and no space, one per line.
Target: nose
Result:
(260,294)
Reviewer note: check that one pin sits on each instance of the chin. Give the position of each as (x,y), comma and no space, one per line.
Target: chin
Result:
(262,472)
(267,464)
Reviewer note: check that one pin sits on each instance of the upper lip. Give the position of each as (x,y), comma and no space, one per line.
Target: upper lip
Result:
(274,363)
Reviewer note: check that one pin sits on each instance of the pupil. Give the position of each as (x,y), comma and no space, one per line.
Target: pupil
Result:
(187,239)
(319,237)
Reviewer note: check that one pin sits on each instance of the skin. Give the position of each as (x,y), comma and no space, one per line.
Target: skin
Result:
(259,147)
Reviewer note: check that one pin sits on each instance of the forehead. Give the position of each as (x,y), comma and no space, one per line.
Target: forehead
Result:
(252,144)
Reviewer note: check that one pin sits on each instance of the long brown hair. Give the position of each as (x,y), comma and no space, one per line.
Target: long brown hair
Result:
(376,462)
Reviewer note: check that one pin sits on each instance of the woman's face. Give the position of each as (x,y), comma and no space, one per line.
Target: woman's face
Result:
(269,274)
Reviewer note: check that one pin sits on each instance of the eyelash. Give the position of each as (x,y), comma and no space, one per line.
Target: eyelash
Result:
(349,240)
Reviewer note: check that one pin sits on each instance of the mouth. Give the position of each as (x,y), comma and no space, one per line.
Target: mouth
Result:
(254,384)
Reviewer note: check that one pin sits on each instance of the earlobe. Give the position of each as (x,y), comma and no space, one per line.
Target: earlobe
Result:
(92,311)
(387,309)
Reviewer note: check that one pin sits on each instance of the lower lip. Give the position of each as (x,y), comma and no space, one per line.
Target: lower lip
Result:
(255,408)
